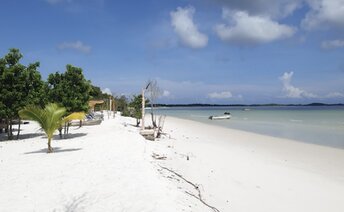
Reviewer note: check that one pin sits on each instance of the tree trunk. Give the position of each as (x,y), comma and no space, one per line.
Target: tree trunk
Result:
(65,131)
(50,150)
(1,126)
(152,116)
(6,128)
(18,129)
(153,120)
(9,129)
(60,132)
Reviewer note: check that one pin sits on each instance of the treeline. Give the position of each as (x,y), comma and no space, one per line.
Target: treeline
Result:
(244,105)
(22,85)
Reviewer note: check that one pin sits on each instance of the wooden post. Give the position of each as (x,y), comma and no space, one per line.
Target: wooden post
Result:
(143,109)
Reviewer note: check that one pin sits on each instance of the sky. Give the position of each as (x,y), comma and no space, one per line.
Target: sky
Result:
(199,51)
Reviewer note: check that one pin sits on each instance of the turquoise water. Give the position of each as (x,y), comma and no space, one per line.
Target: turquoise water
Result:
(317,125)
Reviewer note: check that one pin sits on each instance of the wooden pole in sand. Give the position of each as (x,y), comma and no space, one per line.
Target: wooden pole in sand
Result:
(143,110)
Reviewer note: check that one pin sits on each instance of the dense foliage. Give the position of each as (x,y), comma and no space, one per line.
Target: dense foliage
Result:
(135,108)
(69,89)
(22,86)
(19,86)
(97,94)
(122,105)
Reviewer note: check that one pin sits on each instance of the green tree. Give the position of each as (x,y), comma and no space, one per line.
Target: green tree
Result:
(135,108)
(70,89)
(19,86)
(122,104)
(49,118)
(96,92)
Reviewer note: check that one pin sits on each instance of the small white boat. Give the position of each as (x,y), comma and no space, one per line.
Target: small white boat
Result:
(220,117)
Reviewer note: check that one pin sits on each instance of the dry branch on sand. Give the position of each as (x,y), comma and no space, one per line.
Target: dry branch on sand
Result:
(195,186)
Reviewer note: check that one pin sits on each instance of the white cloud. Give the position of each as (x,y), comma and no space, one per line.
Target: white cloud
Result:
(272,8)
(332,44)
(247,29)
(166,93)
(220,95)
(107,91)
(335,95)
(77,45)
(324,13)
(186,29)
(290,90)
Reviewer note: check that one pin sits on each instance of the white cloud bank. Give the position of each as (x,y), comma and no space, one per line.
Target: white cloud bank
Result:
(186,29)
(249,29)
(166,93)
(324,13)
(332,44)
(294,92)
(272,8)
(220,95)
(107,91)
(335,95)
(77,45)
(290,90)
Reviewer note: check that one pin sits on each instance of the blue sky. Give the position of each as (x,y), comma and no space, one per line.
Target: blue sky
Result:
(199,51)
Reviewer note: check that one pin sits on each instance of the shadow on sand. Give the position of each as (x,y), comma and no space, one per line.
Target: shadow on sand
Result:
(69,136)
(3,136)
(55,150)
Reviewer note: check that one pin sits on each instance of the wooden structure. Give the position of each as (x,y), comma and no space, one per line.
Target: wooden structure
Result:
(93,103)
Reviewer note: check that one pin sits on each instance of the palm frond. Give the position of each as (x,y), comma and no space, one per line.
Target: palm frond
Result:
(49,118)
(74,116)
(33,113)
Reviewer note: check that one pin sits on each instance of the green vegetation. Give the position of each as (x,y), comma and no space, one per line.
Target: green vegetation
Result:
(122,105)
(97,94)
(135,108)
(49,118)
(69,89)
(19,86)
(22,86)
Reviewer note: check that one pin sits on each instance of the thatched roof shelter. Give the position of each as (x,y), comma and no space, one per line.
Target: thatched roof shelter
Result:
(93,103)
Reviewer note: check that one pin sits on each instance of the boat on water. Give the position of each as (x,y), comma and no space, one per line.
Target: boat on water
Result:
(226,116)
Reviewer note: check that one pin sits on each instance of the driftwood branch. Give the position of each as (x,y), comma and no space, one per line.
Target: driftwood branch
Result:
(196,187)
(158,157)
(202,201)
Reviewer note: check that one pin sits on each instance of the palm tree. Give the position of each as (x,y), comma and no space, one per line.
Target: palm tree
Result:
(49,118)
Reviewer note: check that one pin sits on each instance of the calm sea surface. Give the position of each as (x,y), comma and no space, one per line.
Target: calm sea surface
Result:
(323,125)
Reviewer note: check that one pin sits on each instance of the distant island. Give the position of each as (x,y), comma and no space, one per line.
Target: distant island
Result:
(244,105)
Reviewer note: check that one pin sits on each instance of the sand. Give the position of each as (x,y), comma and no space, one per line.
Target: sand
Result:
(110,167)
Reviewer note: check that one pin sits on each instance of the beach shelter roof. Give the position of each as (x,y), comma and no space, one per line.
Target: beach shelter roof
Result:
(93,103)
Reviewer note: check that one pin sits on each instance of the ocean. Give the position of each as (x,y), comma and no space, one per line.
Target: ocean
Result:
(322,125)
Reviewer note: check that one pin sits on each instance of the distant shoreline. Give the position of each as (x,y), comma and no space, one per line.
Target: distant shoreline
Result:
(245,105)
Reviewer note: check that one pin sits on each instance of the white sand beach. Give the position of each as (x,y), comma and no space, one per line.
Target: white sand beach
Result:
(110,167)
